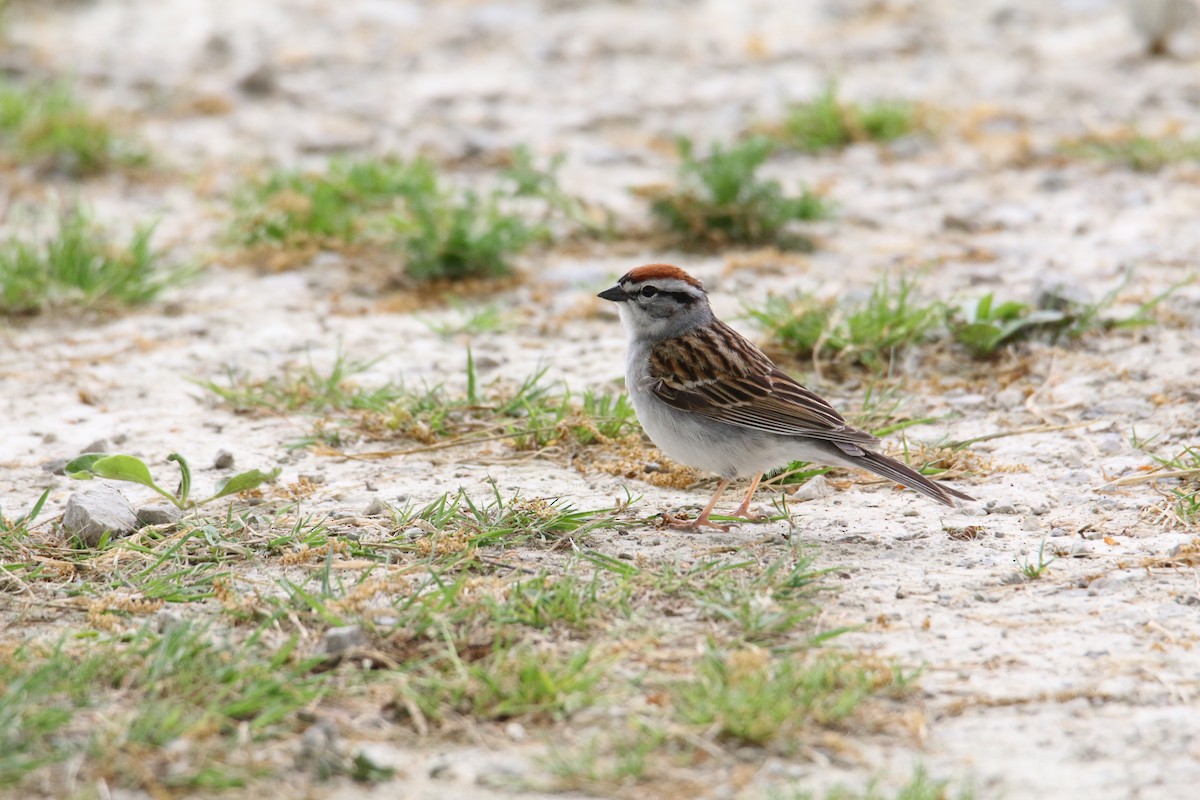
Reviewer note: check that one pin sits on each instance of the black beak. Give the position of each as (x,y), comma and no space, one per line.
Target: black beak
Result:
(616,294)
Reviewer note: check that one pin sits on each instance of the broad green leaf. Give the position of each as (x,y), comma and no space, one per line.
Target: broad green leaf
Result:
(80,467)
(117,468)
(244,482)
(124,468)
(981,338)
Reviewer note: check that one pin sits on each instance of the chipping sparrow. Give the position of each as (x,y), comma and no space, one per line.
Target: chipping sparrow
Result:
(711,399)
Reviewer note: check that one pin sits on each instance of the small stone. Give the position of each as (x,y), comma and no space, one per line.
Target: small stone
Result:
(374,760)
(166,619)
(1009,398)
(260,82)
(56,466)
(1003,508)
(375,508)
(1104,586)
(515,731)
(625,555)
(1058,532)
(319,751)
(1030,524)
(98,446)
(1012,578)
(957,222)
(968,401)
(814,488)
(341,639)
(224,460)
(1039,509)
(93,511)
(159,514)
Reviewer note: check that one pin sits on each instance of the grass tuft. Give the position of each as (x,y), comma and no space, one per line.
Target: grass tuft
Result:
(109,702)
(751,697)
(508,683)
(1134,150)
(531,416)
(47,127)
(448,235)
(828,122)
(986,325)
(719,200)
(895,318)
(81,267)
(868,333)
(444,234)
(293,208)
(1032,570)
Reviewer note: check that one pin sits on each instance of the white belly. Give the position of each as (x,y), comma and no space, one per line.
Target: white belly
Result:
(729,451)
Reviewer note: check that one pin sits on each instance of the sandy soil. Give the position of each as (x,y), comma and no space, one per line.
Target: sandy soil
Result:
(1080,684)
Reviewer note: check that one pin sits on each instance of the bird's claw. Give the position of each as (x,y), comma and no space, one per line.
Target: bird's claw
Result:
(692,524)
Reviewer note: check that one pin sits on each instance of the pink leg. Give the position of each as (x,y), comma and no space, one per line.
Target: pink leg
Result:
(701,520)
(744,509)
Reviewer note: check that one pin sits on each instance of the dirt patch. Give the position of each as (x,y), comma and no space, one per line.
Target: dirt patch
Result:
(1054,622)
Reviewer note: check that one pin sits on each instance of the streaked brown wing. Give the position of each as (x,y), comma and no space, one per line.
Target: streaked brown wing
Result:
(752,391)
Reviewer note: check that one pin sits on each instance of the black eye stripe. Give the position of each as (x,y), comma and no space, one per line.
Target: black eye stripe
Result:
(683,298)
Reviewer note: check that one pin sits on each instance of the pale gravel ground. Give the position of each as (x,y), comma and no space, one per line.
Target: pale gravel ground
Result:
(1049,689)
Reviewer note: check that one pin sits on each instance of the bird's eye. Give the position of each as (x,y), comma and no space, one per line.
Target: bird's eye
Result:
(648,291)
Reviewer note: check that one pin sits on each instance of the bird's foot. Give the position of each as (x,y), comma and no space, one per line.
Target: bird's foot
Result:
(701,521)
(745,513)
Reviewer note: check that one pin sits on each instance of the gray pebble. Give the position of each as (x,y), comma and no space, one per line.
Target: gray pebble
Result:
(224,460)
(159,514)
(375,508)
(98,446)
(1104,586)
(814,488)
(166,619)
(338,640)
(1127,409)
(55,466)
(319,750)
(92,511)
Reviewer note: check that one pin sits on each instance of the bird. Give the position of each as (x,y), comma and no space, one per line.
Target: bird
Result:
(710,399)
